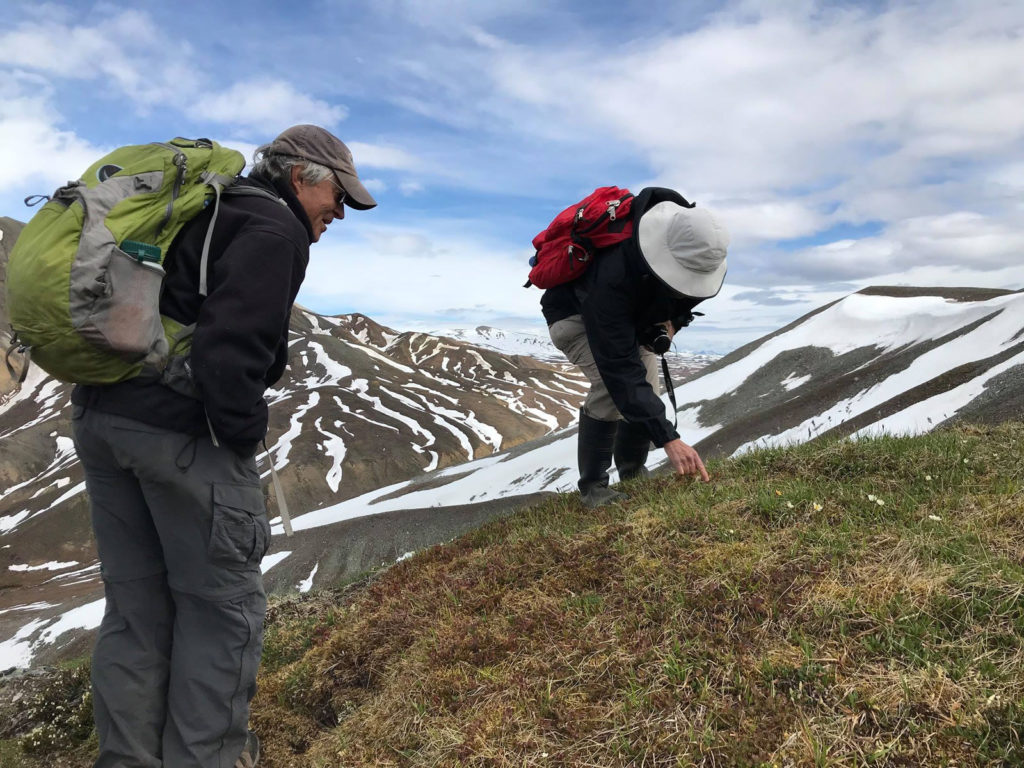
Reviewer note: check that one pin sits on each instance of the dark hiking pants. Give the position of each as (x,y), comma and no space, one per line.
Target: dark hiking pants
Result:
(181,528)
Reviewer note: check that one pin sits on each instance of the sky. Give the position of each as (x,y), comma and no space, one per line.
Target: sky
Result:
(843,144)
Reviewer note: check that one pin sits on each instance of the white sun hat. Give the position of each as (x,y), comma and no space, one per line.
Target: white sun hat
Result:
(685,248)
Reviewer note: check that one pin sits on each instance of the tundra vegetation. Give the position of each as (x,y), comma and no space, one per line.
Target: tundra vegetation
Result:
(839,603)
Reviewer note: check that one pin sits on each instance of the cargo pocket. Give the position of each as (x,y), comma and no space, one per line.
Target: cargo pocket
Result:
(125,314)
(240,534)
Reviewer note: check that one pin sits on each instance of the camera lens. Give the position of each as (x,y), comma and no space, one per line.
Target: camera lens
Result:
(656,339)
(661,343)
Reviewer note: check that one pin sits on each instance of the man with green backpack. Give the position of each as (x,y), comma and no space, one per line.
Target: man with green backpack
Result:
(191,328)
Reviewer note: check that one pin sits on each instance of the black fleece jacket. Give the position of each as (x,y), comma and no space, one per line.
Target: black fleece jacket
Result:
(257,261)
(619,298)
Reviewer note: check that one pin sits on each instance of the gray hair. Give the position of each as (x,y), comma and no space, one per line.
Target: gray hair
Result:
(278,167)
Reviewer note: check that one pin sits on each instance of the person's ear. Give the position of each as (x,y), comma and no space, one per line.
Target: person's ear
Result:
(296,176)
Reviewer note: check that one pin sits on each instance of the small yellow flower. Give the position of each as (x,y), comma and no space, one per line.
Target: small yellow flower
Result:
(817,507)
(778,493)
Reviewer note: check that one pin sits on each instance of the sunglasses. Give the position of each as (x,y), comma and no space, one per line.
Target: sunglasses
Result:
(342,194)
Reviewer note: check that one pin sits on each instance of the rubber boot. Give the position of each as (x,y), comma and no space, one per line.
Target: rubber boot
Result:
(250,756)
(594,454)
(632,443)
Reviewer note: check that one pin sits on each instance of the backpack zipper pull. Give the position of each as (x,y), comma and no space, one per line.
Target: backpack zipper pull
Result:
(612,206)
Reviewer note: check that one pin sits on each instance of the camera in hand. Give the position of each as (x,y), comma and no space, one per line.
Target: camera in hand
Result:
(656,339)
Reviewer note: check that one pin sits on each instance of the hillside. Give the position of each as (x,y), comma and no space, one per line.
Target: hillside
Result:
(837,603)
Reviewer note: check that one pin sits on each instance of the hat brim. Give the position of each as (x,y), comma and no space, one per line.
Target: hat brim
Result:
(692,285)
(356,195)
(655,251)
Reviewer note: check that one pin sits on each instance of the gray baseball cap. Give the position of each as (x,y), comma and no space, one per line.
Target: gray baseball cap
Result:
(311,142)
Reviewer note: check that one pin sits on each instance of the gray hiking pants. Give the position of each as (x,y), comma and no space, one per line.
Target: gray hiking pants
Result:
(570,337)
(181,528)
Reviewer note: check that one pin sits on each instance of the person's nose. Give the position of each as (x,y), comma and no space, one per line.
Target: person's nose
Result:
(339,211)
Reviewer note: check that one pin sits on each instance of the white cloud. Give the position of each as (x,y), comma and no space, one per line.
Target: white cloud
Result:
(961,240)
(36,152)
(266,104)
(788,119)
(831,99)
(767,220)
(413,273)
(125,49)
(383,157)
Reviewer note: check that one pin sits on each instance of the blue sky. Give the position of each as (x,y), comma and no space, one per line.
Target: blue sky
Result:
(844,144)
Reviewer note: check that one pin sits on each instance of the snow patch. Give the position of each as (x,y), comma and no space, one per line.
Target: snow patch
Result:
(51,566)
(307,583)
(271,560)
(793,381)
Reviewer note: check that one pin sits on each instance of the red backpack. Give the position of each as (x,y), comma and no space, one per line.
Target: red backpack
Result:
(566,248)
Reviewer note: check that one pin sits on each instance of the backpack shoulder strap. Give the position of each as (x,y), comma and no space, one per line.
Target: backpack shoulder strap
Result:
(245,189)
(226,186)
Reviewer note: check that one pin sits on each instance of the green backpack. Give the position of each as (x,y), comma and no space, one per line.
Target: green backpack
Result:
(85,275)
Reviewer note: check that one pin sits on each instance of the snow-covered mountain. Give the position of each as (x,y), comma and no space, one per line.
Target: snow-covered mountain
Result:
(884,360)
(507,342)
(682,363)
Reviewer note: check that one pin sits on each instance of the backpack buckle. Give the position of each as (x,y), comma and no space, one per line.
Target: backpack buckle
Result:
(584,256)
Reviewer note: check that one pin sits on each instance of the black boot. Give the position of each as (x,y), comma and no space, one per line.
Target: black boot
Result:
(632,442)
(594,453)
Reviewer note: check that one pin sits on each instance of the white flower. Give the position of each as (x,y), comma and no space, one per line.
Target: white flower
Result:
(871,497)
(936,518)
(789,504)
(928,478)
(879,502)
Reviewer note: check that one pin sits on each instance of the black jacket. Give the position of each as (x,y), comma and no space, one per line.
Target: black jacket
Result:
(257,261)
(619,297)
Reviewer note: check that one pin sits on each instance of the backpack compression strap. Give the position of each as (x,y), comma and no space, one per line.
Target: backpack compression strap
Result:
(224,185)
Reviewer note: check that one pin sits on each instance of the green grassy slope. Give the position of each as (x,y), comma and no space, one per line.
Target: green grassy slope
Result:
(833,604)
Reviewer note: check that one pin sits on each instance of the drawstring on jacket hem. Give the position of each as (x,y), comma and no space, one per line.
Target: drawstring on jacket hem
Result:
(193,443)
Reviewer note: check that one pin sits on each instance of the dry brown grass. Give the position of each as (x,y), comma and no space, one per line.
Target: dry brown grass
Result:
(735,624)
